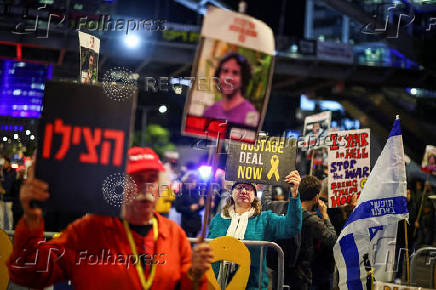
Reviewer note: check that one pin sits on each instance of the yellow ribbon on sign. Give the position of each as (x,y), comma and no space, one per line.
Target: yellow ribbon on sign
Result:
(274,168)
(362,182)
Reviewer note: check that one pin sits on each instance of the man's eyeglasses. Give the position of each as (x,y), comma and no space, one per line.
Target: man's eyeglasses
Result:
(247,187)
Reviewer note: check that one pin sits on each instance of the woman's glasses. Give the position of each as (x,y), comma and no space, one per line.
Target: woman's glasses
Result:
(247,187)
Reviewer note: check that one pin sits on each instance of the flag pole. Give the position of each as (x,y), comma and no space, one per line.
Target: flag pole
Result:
(407,253)
(213,161)
(422,203)
(311,162)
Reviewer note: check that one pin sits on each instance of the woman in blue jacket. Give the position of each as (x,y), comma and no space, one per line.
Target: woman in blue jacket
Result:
(243,219)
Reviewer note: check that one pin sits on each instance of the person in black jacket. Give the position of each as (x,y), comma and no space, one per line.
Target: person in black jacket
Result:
(314,229)
(9,178)
(17,209)
(323,266)
(271,201)
(189,203)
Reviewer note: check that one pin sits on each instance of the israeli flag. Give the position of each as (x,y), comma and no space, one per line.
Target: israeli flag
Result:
(381,205)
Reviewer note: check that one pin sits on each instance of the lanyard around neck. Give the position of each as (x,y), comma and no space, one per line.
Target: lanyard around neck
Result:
(145,283)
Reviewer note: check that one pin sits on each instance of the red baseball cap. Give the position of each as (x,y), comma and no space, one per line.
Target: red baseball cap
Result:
(143,159)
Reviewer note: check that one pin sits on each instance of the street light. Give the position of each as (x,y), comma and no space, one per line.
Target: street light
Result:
(131,41)
(163,109)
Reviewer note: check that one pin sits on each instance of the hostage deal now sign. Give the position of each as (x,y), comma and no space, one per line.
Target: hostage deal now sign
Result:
(266,161)
(349,165)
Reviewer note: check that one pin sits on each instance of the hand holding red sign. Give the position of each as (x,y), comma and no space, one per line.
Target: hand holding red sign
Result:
(33,189)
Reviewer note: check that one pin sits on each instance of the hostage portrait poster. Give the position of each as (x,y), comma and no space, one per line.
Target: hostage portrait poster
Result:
(231,77)
(315,130)
(89,51)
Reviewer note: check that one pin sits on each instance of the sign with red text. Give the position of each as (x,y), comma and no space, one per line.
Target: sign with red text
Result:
(231,77)
(348,164)
(82,140)
(266,161)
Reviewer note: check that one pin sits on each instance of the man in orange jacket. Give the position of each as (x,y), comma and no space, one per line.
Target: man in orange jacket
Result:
(141,250)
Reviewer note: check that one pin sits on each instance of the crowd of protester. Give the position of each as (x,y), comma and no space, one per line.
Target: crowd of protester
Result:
(297,218)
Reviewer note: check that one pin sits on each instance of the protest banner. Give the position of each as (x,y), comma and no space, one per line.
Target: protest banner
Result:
(267,161)
(82,142)
(428,164)
(89,52)
(349,164)
(315,130)
(232,76)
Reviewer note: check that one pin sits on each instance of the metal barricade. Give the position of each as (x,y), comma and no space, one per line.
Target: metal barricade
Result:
(414,262)
(262,245)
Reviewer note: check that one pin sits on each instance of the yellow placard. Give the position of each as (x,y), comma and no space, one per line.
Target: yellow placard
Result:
(232,250)
(5,252)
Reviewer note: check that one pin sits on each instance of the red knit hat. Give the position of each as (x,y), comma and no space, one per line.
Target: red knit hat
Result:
(143,159)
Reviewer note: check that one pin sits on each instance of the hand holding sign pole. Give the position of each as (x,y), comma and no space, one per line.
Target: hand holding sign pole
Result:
(33,190)
(294,179)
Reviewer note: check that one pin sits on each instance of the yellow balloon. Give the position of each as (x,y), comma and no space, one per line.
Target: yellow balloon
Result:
(232,250)
(5,252)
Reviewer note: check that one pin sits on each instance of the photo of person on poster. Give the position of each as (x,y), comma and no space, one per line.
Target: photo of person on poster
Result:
(89,50)
(316,132)
(90,75)
(233,73)
(429,160)
(315,128)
